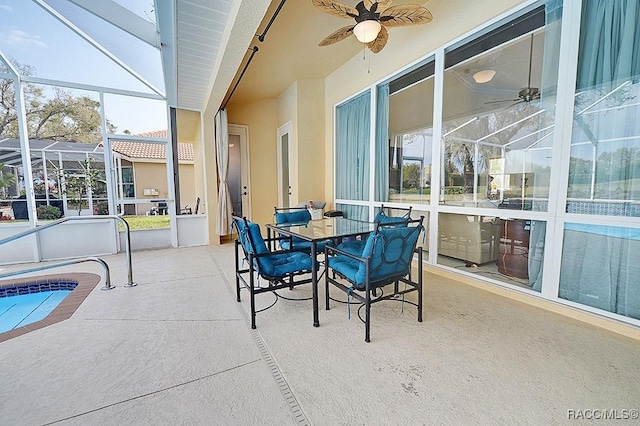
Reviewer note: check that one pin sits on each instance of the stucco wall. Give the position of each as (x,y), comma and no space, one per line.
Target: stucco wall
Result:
(154,175)
(262,119)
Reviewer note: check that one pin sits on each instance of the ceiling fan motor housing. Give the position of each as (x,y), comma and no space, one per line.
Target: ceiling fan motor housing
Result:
(529,93)
(365,14)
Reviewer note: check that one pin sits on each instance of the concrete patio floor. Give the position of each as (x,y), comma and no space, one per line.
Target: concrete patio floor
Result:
(178,349)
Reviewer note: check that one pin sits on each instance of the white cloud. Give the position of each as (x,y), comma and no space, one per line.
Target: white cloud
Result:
(5,7)
(24,39)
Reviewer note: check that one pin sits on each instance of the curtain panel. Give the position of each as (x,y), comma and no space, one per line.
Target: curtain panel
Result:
(353,123)
(382,144)
(223,218)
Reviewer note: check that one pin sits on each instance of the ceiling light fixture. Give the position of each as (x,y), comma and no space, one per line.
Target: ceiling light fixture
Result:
(484,76)
(367,31)
(372,18)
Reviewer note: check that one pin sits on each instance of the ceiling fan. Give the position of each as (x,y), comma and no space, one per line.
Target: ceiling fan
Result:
(526,94)
(372,20)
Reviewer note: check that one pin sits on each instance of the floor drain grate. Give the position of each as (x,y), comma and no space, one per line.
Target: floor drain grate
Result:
(290,399)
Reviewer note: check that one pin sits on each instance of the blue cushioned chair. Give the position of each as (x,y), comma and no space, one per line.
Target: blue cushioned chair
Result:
(293,216)
(280,268)
(355,247)
(385,259)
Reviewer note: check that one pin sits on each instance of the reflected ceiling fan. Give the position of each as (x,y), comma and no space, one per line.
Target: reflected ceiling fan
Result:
(526,94)
(372,20)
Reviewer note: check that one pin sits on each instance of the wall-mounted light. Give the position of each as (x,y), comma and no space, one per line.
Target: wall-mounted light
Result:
(484,76)
(367,31)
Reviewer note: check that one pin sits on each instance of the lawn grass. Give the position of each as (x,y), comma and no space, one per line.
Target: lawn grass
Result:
(145,222)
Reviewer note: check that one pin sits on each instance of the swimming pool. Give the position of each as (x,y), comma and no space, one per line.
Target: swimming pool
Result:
(45,300)
(22,309)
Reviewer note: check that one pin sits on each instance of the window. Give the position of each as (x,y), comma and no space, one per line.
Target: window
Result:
(604,172)
(496,122)
(410,135)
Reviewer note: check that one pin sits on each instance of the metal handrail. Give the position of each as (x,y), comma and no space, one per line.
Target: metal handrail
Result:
(130,283)
(107,275)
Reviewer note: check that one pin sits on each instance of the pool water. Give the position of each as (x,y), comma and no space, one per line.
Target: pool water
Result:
(16,311)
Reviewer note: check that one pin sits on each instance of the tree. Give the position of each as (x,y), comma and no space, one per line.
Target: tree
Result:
(52,113)
(460,152)
(411,176)
(6,180)
(77,185)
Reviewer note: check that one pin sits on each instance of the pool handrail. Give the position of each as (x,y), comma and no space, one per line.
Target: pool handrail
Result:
(107,275)
(39,228)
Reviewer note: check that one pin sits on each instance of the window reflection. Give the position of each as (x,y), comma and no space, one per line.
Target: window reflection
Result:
(496,131)
(411,136)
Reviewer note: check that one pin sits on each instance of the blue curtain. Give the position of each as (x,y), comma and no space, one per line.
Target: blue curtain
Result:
(600,267)
(609,42)
(353,123)
(354,212)
(382,144)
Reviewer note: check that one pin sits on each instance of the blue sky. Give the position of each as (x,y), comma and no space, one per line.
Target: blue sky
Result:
(31,36)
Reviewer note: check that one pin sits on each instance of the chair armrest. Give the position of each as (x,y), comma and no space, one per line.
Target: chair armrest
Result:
(269,253)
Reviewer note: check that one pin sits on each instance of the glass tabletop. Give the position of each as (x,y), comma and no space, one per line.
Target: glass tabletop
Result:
(322,229)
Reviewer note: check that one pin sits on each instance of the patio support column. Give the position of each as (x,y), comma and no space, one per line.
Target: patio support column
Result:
(171,160)
(26,164)
(109,172)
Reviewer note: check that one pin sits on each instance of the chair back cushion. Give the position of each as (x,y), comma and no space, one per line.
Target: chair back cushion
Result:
(269,265)
(297,217)
(250,236)
(399,221)
(390,250)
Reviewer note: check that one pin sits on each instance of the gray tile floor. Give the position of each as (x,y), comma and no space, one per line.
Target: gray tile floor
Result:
(177,349)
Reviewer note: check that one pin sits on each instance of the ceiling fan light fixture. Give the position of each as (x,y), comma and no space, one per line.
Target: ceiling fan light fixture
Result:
(484,76)
(367,31)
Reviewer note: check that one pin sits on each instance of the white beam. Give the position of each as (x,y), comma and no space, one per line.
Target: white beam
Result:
(166,15)
(122,18)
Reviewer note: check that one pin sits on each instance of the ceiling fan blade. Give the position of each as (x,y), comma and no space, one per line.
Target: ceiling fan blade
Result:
(382,5)
(503,100)
(376,45)
(337,35)
(336,8)
(406,14)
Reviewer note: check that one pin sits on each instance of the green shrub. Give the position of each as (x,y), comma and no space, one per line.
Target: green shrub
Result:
(48,213)
(102,208)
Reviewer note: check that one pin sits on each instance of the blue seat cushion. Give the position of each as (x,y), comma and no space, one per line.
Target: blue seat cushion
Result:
(354,247)
(390,251)
(256,244)
(278,265)
(293,217)
(382,218)
(299,243)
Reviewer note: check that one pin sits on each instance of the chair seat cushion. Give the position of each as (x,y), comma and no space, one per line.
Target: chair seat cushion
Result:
(301,244)
(354,247)
(277,265)
(345,266)
(293,217)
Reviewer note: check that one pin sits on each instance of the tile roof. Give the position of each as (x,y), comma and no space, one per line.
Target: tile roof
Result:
(154,134)
(148,150)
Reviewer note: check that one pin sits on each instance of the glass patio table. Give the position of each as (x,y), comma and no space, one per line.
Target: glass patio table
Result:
(331,228)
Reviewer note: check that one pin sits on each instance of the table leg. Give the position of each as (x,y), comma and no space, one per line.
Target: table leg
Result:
(314,283)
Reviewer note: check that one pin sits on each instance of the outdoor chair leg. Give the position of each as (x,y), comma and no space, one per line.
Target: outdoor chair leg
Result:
(237,277)
(419,285)
(253,299)
(367,316)
(326,290)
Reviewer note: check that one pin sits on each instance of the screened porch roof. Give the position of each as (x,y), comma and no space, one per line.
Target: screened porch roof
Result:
(70,151)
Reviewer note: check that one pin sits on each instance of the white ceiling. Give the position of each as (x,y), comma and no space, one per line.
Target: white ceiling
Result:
(207,43)
(212,41)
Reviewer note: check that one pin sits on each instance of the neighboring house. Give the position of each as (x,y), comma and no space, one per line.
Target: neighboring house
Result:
(142,172)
